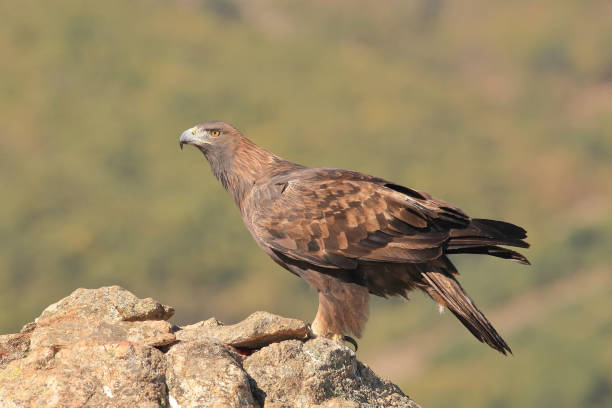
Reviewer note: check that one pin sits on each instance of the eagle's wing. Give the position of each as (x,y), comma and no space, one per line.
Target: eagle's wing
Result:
(334,222)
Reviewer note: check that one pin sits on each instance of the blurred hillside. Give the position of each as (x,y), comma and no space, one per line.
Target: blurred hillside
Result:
(502,108)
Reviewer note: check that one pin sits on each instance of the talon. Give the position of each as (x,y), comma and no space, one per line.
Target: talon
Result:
(351,340)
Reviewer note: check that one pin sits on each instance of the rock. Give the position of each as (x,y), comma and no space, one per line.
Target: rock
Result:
(318,372)
(107,348)
(257,330)
(207,374)
(15,346)
(151,333)
(109,314)
(111,303)
(102,375)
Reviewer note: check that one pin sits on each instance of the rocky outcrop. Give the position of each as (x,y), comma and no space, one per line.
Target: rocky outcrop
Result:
(107,348)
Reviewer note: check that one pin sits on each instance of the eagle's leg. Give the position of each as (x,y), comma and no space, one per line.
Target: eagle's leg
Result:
(320,327)
(343,309)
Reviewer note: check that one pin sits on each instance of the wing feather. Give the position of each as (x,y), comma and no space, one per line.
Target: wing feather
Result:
(335,219)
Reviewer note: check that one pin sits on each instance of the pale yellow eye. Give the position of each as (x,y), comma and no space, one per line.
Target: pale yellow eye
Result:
(215,133)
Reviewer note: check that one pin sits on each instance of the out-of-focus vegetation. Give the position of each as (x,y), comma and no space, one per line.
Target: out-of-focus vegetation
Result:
(503,108)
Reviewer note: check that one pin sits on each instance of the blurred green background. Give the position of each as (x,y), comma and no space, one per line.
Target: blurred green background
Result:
(503,108)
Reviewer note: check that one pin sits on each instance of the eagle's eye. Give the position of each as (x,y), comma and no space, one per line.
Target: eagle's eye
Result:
(215,133)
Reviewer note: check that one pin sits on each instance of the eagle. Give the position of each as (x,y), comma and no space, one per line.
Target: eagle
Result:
(350,235)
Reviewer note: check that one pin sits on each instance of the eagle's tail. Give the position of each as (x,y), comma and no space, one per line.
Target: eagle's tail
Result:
(483,236)
(445,289)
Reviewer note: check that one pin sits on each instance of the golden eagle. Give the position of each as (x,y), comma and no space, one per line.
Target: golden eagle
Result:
(350,235)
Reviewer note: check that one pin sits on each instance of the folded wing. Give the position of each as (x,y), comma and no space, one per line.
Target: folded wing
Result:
(336,218)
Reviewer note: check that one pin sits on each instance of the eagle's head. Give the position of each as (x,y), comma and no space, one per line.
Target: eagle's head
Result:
(211,137)
(234,160)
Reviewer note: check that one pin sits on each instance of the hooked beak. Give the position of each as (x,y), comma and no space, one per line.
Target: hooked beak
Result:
(190,136)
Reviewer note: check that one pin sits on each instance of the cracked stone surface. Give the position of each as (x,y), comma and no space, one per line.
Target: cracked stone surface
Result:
(95,375)
(207,374)
(107,348)
(257,330)
(318,372)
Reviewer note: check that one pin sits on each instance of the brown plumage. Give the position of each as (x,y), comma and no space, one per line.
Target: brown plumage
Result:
(351,235)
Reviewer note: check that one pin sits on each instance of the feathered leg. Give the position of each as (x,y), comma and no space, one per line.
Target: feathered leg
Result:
(343,307)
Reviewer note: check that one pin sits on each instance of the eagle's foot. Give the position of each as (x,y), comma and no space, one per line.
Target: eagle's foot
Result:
(349,339)
(337,337)
(342,339)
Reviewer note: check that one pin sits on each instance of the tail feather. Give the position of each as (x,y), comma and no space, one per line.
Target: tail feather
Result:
(500,228)
(492,250)
(448,292)
(483,236)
